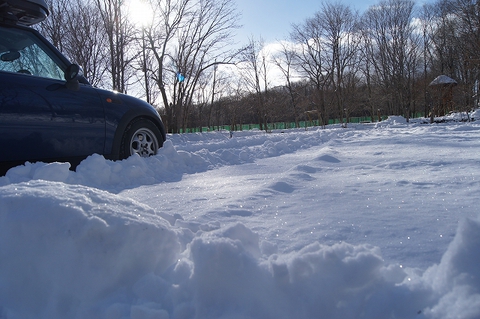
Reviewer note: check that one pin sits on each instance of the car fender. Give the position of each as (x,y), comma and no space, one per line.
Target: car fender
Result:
(122,110)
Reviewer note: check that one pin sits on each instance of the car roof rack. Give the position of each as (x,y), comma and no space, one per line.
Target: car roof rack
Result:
(23,12)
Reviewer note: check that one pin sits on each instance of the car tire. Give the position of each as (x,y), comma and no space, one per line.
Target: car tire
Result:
(141,137)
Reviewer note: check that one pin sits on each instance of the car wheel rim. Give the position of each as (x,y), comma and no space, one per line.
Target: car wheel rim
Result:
(143,143)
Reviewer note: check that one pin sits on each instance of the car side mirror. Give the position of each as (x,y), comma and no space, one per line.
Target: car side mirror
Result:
(71,74)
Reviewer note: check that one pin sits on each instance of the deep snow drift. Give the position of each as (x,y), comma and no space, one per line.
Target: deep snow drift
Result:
(372,221)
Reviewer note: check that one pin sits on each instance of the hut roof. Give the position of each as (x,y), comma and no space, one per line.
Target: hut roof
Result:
(443,80)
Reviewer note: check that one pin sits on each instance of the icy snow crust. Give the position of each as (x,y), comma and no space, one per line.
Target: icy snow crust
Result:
(372,221)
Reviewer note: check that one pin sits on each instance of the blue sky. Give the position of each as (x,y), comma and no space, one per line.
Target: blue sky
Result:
(272,19)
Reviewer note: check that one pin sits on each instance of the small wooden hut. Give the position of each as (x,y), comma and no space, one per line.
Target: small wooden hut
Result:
(442,87)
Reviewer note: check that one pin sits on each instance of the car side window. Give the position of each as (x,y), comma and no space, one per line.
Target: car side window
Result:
(21,52)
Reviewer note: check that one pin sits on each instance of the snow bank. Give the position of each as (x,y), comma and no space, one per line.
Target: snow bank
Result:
(71,251)
(199,153)
(67,250)
(455,282)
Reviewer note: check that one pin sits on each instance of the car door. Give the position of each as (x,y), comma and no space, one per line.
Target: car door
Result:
(40,118)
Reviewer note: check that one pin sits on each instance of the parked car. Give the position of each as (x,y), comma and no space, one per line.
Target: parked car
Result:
(50,112)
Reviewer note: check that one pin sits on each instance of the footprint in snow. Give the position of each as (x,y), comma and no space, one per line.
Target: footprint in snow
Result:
(306,169)
(282,187)
(241,213)
(328,158)
(303,172)
(302,176)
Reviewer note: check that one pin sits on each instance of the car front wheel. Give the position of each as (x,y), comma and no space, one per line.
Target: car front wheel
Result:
(142,138)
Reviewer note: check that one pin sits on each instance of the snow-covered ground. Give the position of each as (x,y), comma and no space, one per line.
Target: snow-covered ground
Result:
(370,221)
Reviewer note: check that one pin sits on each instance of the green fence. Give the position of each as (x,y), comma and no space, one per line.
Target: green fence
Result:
(276,126)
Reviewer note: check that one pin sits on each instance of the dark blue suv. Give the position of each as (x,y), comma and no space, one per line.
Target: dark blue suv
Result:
(48,112)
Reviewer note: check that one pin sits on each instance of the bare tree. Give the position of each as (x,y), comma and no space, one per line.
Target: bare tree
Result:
(311,64)
(392,51)
(188,38)
(443,34)
(254,69)
(201,46)
(467,42)
(339,29)
(120,34)
(53,27)
(86,42)
(144,69)
(427,20)
(79,35)
(168,18)
(285,60)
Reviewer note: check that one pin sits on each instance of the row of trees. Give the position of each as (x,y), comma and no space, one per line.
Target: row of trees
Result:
(337,63)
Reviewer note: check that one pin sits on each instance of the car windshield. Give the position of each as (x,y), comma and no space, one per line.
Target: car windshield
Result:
(22,52)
